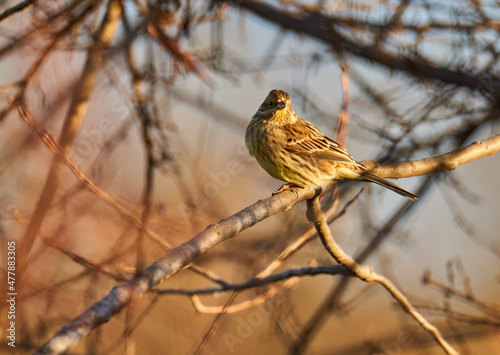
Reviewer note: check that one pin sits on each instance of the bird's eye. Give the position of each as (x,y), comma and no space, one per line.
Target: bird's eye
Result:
(270,103)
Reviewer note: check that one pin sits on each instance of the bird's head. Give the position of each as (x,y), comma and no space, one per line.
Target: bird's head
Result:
(277,106)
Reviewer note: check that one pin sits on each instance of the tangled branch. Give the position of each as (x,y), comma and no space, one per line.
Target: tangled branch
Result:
(179,257)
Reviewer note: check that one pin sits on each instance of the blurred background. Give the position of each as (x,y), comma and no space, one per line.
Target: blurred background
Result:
(150,101)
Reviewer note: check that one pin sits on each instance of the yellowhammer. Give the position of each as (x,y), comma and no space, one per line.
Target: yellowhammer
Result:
(291,149)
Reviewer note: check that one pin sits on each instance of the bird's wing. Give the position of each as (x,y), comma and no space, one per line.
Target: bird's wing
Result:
(304,139)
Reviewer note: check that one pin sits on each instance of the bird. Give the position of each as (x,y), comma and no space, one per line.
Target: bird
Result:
(293,150)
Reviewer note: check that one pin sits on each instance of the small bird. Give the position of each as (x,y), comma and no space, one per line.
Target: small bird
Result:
(293,150)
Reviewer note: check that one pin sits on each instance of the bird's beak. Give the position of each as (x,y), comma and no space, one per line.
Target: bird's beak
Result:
(281,105)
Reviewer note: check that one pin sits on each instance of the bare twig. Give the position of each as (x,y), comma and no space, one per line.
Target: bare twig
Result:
(211,330)
(23,5)
(36,67)
(341,132)
(333,299)
(486,307)
(80,259)
(259,282)
(145,123)
(271,292)
(290,250)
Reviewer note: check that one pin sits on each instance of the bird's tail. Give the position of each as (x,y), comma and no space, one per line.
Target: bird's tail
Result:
(390,185)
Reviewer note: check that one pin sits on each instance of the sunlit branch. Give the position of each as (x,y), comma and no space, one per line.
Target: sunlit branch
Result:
(366,273)
(441,163)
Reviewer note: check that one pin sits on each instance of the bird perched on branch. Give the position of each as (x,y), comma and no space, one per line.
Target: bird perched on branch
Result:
(293,150)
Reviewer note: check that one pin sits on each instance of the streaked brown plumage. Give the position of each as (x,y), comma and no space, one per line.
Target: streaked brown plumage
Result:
(293,150)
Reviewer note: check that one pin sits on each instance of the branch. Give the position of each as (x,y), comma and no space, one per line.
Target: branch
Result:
(290,250)
(167,266)
(445,162)
(491,309)
(366,273)
(323,28)
(23,84)
(230,307)
(76,112)
(23,5)
(333,298)
(176,259)
(256,282)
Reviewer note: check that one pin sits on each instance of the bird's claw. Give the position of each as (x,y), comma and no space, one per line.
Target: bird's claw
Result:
(289,186)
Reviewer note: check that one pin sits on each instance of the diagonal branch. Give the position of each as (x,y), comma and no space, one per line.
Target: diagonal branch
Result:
(23,5)
(167,266)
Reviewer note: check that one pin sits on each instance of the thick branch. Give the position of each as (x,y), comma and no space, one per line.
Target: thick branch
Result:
(170,264)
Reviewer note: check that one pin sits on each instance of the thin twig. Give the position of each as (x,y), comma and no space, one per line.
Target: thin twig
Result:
(341,132)
(23,5)
(259,282)
(486,307)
